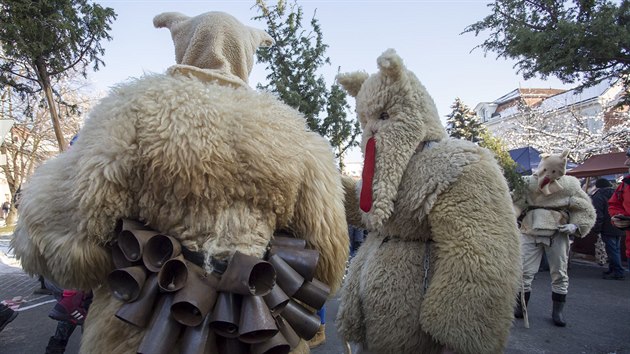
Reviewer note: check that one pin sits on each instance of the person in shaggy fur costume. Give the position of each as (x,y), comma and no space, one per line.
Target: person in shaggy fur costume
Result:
(440,266)
(553,206)
(194,153)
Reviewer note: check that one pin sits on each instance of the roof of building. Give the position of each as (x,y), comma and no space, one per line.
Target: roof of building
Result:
(576,95)
(527,93)
(549,99)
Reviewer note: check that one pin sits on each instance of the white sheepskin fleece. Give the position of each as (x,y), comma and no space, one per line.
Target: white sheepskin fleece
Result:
(430,193)
(569,196)
(218,167)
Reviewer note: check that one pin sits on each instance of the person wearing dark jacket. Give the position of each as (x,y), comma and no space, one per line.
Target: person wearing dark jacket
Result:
(610,234)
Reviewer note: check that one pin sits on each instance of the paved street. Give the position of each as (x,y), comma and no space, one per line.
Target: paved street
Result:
(597,312)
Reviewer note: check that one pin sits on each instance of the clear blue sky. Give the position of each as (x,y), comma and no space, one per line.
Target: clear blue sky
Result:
(426,34)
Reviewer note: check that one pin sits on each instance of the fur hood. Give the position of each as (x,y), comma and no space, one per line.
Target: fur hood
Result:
(394,108)
(213,44)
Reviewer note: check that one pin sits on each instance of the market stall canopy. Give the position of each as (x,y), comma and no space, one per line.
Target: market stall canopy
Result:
(601,165)
(526,158)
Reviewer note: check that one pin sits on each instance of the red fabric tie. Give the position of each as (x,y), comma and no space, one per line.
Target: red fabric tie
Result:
(365,202)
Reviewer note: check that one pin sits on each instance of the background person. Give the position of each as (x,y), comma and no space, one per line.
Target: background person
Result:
(70,311)
(619,206)
(554,207)
(609,233)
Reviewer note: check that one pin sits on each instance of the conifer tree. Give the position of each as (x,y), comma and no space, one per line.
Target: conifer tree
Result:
(48,39)
(582,41)
(463,123)
(502,155)
(294,62)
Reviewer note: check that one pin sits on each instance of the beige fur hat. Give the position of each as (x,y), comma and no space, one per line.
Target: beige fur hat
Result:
(213,40)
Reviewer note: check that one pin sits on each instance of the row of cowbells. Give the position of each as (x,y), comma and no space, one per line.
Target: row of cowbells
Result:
(248,306)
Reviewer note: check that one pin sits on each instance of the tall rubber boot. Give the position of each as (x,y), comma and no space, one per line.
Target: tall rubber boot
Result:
(56,346)
(518,312)
(558,307)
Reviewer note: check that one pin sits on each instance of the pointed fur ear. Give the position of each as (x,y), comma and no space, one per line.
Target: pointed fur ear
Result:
(565,154)
(168,19)
(263,38)
(352,82)
(544,156)
(390,64)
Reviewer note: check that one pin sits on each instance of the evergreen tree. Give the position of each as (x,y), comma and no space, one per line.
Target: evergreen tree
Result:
(47,39)
(462,123)
(574,40)
(502,155)
(293,62)
(341,132)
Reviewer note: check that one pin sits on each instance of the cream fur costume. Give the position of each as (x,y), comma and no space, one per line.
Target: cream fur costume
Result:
(427,190)
(549,187)
(195,153)
(555,207)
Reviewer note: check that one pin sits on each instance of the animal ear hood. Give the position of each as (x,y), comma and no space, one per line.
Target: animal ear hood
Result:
(390,64)
(413,119)
(168,19)
(262,38)
(215,41)
(352,82)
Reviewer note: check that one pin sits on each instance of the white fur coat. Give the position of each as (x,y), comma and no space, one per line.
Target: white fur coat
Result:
(218,167)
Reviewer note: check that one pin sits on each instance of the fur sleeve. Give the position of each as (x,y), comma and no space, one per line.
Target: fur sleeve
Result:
(581,210)
(70,205)
(45,238)
(468,306)
(107,171)
(320,214)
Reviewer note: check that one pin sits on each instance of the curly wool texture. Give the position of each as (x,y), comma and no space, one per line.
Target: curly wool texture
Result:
(570,196)
(214,40)
(192,160)
(428,188)
(351,201)
(397,91)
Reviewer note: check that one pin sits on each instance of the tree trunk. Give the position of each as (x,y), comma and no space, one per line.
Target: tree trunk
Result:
(342,165)
(44,81)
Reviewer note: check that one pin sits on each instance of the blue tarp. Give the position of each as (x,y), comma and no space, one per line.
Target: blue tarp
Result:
(527,158)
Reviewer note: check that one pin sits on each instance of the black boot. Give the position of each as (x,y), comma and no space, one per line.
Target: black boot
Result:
(518,312)
(558,307)
(6,315)
(56,346)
